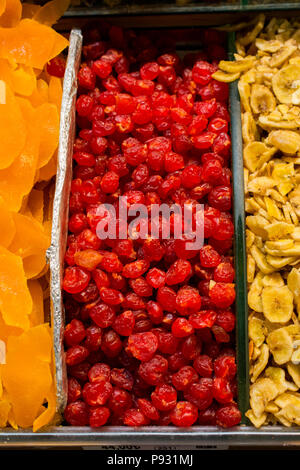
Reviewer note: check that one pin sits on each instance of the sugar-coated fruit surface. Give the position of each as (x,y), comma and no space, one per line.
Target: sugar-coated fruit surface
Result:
(150,324)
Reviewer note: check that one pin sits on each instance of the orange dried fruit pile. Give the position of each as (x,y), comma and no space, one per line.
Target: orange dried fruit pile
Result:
(30,100)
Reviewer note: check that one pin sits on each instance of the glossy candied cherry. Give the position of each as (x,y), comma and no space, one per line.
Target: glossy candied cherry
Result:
(98,416)
(155,312)
(173,162)
(228,415)
(93,338)
(212,171)
(86,77)
(209,258)
(101,278)
(142,345)
(183,248)
(156,278)
(203,319)
(96,393)
(149,71)
(134,417)
(184,377)
(110,262)
(220,198)
(198,125)
(206,108)
(74,332)
(200,393)
(89,294)
(124,323)
(56,67)
(133,301)
(119,401)
(220,334)
(167,342)
(184,414)
(204,141)
(225,366)
(74,390)
(225,230)
(135,269)
(141,287)
(166,297)
(188,300)
(224,272)
(110,182)
(76,279)
(226,319)
(202,72)
(203,364)
(122,378)
(77,413)
(178,272)
(222,294)
(191,347)
(111,343)
(103,315)
(77,223)
(153,249)
(99,372)
(191,176)
(222,144)
(182,328)
(76,354)
(221,390)
(111,296)
(152,371)
(148,409)
(140,174)
(80,371)
(208,416)
(164,397)
(84,105)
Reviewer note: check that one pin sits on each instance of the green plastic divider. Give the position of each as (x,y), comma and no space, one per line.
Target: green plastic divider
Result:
(239,243)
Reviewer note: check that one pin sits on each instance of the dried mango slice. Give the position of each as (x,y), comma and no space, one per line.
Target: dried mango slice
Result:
(12,13)
(36,292)
(17,180)
(23,80)
(2,6)
(15,298)
(51,12)
(31,43)
(30,238)
(40,94)
(29,10)
(7,225)
(28,386)
(49,132)
(49,170)
(48,414)
(6,330)
(35,265)
(13,129)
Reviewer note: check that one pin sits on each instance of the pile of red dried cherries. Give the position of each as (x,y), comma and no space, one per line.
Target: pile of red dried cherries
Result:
(150,328)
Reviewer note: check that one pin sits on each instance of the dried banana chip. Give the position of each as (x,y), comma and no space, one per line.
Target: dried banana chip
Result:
(281,345)
(262,99)
(277,303)
(286,82)
(285,140)
(262,392)
(261,363)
